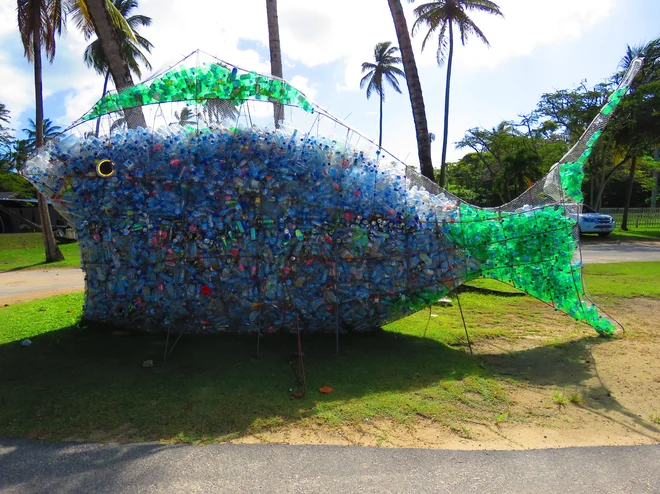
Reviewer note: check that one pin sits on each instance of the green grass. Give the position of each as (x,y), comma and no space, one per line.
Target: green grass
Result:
(26,251)
(575,398)
(85,383)
(559,399)
(39,317)
(622,280)
(644,233)
(633,279)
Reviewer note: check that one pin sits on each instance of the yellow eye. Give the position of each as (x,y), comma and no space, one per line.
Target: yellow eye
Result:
(105,168)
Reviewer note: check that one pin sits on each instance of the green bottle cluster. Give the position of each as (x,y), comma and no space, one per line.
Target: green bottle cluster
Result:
(571,173)
(199,84)
(531,250)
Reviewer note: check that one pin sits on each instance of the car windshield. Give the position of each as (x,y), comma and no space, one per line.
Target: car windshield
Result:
(587,209)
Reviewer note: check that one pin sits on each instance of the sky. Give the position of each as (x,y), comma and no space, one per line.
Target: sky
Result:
(539,46)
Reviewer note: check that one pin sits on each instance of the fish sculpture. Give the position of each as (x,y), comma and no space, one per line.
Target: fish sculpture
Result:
(210,228)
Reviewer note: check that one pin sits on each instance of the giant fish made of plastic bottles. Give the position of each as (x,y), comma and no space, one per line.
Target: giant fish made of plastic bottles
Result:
(212,228)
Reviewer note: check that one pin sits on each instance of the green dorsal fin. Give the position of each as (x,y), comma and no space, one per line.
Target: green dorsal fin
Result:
(199,84)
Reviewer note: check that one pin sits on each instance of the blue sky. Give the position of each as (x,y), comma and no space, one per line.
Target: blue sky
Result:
(539,46)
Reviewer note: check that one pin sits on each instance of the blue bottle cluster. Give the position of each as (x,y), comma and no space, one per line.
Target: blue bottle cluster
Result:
(247,230)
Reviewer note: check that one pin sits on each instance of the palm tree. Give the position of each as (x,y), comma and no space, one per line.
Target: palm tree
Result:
(275,53)
(414,89)
(440,16)
(4,119)
(19,153)
(39,21)
(48,131)
(185,117)
(375,74)
(103,18)
(94,55)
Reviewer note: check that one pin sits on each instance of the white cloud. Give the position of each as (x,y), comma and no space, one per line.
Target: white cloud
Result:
(302,84)
(526,25)
(312,34)
(17,87)
(8,16)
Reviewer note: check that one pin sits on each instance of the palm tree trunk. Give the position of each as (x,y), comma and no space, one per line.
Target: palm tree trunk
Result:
(629,188)
(105,90)
(414,89)
(445,131)
(121,73)
(275,53)
(53,252)
(380,128)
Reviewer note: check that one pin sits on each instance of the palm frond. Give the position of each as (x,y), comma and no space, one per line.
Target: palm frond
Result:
(485,6)
(80,13)
(220,109)
(118,20)
(25,10)
(131,48)
(118,124)
(136,21)
(436,16)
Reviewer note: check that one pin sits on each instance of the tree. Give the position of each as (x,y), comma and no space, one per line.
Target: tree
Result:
(39,21)
(639,117)
(506,161)
(275,53)
(104,20)
(439,17)
(94,55)
(375,74)
(414,89)
(185,117)
(48,130)
(5,138)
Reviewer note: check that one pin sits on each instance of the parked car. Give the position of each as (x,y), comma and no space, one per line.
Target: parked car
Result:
(592,222)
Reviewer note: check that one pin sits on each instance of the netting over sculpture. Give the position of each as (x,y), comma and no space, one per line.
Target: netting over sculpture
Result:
(209,226)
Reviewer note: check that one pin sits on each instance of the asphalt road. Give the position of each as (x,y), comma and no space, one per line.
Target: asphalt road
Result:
(32,467)
(595,253)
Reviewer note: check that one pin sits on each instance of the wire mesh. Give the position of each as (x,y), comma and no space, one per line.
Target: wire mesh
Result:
(210,219)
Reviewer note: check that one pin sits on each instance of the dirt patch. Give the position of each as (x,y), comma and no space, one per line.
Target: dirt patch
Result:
(572,389)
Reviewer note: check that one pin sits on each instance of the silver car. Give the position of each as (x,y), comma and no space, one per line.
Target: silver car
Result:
(592,222)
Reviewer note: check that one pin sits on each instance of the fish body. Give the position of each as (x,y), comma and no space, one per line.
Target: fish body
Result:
(219,229)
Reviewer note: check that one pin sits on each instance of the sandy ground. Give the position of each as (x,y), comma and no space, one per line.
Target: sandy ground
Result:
(615,382)
(26,285)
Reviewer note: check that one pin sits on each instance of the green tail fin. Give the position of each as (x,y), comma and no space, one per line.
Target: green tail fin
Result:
(532,243)
(534,252)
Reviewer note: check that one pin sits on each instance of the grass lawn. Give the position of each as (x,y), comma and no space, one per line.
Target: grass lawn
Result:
(84,383)
(641,234)
(26,251)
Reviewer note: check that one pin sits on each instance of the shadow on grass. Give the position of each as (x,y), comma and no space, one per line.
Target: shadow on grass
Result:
(82,383)
(86,384)
(28,266)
